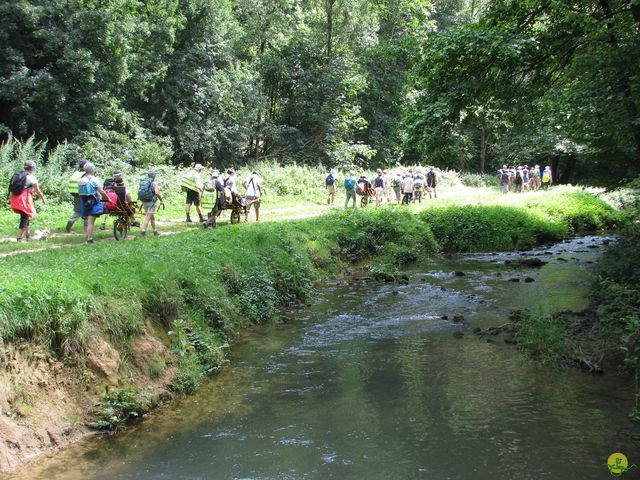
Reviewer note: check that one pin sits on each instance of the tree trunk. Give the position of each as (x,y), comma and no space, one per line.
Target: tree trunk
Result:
(328,6)
(484,138)
(635,11)
(623,85)
(568,169)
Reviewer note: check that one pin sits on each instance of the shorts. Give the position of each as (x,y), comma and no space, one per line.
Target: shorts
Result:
(331,189)
(379,192)
(150,207)
(193,197)
(255,201)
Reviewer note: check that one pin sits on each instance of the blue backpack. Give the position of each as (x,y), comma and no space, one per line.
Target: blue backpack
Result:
(349,183)
(330,180)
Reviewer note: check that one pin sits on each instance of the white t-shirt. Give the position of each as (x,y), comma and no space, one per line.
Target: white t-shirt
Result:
(253,186)
(407,185)
(30,180)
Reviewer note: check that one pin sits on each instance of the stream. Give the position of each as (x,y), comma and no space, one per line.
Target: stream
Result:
(370,383)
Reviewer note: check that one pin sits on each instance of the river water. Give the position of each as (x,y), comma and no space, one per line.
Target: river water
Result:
(370,383)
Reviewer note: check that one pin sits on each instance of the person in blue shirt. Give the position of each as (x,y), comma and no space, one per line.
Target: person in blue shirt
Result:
(350,188)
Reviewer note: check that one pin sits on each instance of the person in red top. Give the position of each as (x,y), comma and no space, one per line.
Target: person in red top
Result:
(22,202)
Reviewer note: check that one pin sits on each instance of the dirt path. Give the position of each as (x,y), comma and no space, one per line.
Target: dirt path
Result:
(58,240)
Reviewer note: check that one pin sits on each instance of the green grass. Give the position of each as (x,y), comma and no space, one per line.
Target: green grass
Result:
(205,285)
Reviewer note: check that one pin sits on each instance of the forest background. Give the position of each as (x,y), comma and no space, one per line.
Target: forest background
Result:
(463,84)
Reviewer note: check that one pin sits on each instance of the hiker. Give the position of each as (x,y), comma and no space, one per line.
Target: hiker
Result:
(72,187)
(330,184)
(378,187)
(407,189)
(21,188)
(526,178)
(192,184)
(418,186)
(231,183)
(518,180)
(396,184)
(363,187)
(149,195)
(431,183)
(91,193)
(350,188)
(386,192)
(547,177)
(253,191)
(535,178)
(503,179)
(118,197)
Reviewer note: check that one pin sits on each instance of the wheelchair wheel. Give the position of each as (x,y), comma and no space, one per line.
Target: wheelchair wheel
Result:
(120,228)
(235,216)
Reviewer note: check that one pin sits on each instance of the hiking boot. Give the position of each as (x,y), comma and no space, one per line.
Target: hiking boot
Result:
(69,226)
(103,226)
(188,219)
(201,219)
(89,241)
(156,233)
(19,239)
(143,234)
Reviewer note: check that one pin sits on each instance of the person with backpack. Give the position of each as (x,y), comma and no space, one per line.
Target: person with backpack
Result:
(518,180)
(254,190)
(72,187)
(378,187)
(503,180)
(91,195)
(350,189)
(431,183)
(191,183)
(149,195)
(21,188)
(330,184)
(547,177)
(418,187)
(396,184)
(407,188)
(118,196)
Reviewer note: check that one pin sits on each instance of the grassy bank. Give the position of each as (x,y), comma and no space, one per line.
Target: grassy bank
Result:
(190,294)
(616,295)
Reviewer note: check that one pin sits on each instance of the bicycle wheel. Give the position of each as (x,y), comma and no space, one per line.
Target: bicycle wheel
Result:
(235,216)
(120,228)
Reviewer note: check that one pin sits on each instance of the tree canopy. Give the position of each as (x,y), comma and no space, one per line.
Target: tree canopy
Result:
(456,83)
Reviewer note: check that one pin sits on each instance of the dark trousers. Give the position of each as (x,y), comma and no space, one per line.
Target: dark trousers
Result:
(24,221)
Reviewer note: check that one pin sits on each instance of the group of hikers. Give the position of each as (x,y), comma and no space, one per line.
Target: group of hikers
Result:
(407,186)
(524,178)
(93,199)
(218,192)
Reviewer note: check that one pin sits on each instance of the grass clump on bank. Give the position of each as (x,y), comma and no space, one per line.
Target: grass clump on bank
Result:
(616,292)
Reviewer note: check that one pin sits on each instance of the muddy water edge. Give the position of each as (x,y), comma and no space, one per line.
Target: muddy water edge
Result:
(378,381)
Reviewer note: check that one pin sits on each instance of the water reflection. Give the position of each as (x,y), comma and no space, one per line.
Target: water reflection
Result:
(370,383)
